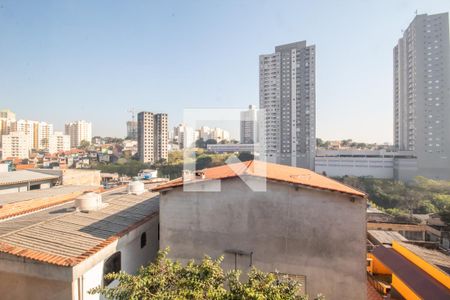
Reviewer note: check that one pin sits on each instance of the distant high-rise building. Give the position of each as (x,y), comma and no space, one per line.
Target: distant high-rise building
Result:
(422,94)
(249,126)
(153,137)
(184,136)
(7,118)
(216,133)
(287,94)
(39,132)
(16,144)
(132,130)
(79,131)
(58,142)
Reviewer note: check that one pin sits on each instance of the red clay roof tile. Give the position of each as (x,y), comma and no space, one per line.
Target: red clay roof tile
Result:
(271,171)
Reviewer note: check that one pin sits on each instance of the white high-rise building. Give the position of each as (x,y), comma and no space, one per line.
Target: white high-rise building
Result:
(39,132)
(79,131)
(216,133)
(287,94)
(422,94)
(58,142)
(16,144)
(153,137)
(220,134)
(249,126)
(184,135)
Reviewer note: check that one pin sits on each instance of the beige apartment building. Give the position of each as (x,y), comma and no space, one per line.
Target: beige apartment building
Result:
(153,136)
(39,132)
(79,131)
(16,144)
(58,142)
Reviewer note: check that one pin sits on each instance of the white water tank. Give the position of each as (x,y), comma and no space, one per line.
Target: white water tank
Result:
(88,202)
(136,188)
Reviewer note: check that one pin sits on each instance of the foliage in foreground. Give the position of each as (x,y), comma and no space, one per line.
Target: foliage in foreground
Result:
(420,196)
(166,279)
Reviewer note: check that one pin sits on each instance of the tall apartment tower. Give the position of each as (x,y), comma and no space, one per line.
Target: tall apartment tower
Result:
(153,137)
(132,130)
(249,126)
(422,94)
(79,131)
(287,94)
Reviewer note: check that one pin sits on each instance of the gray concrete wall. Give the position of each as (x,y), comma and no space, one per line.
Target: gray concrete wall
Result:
(318,234)
(22,287)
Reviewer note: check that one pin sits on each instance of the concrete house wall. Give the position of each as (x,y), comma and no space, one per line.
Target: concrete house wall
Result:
(132,257)
(297,231)
(23,279)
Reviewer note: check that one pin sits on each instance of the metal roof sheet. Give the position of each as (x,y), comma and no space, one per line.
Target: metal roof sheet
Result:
(23,176)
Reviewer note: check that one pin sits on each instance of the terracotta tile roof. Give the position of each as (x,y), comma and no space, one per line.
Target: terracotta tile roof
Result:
(276,172)
(63,236)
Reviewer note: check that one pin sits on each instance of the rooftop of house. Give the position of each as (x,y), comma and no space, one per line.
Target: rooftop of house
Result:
(433,257)
(61,235)
(15,204)
(275,172)
(24,176)
(383,237)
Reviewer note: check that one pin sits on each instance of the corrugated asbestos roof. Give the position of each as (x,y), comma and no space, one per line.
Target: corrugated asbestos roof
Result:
(62,236)
(16,204)
(385,237)
(432,257)
(23,176)
(271,171)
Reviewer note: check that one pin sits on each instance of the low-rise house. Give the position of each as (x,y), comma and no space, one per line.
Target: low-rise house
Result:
(63,251)
(25,180)
(277,218)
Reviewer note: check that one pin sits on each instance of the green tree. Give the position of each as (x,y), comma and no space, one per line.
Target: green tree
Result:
(444,214)
(245,156)
(211,142)
(166,279)
(84,144)
(202,162)
(200,143)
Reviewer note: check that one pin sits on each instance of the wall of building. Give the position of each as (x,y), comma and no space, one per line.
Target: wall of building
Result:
(81,177)
(377,167)
(27,279)
(22,287)
(23,187)
(132,257)
(318,234)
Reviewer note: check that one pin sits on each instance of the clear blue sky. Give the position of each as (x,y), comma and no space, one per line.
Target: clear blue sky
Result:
(93,60)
